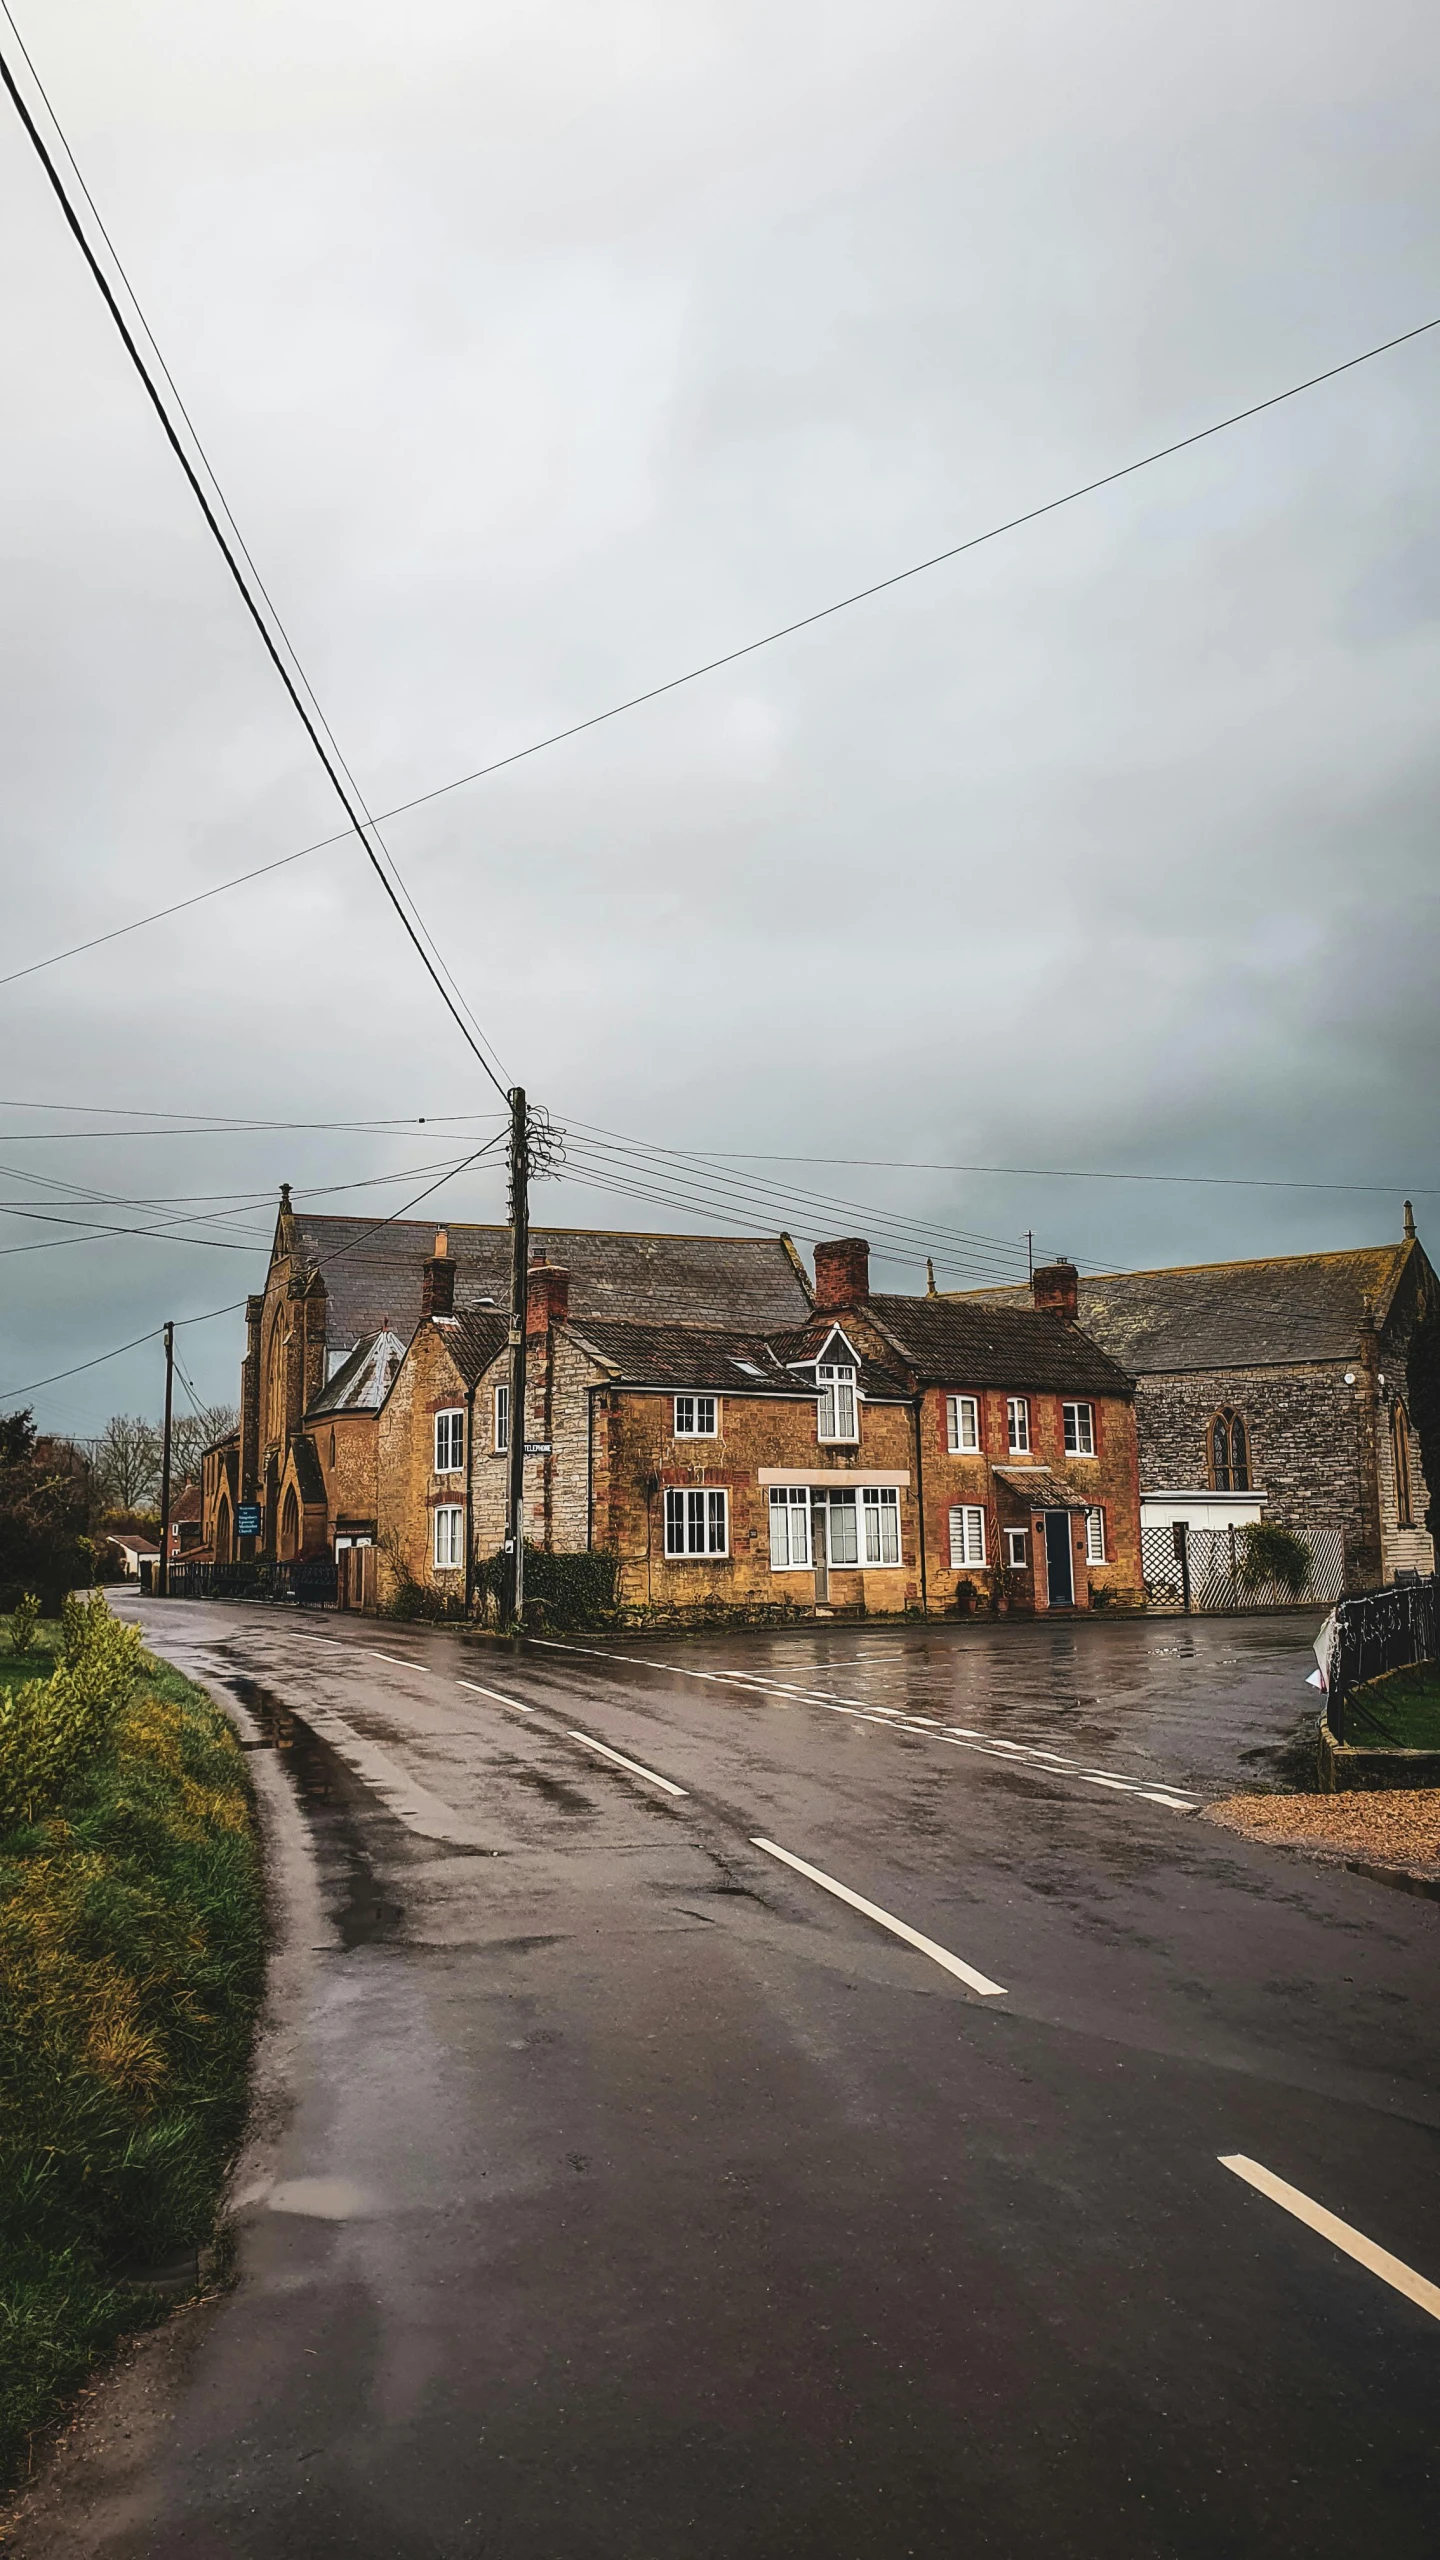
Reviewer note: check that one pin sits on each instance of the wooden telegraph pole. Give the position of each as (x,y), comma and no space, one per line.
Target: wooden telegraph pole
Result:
(519,1284)
(162,1570)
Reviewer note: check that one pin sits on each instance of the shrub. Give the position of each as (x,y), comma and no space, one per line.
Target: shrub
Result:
(24,1619)
(1270,1553)
(49,1727)
(560,1590)
(131,1949)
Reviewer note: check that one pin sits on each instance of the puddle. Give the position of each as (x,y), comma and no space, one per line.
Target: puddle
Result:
(355,1899)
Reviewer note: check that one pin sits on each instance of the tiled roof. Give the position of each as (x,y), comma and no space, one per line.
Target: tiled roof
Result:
(720,1362)
(363,1381)
(975,1342)
(372,1275)
(1221,1315)
(474,1340)
(1040,1489)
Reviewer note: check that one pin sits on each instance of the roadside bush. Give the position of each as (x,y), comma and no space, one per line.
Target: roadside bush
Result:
(24,1619)
(131,1954)
(1270,1553)
(560,1590)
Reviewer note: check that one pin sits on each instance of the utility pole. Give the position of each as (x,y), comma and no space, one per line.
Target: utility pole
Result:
(519,1286)
(162,1571)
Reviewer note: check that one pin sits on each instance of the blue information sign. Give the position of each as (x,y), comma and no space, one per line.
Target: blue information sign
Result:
(247,1519)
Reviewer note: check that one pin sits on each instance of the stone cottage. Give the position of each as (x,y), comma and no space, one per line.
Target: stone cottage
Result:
(1303,1389)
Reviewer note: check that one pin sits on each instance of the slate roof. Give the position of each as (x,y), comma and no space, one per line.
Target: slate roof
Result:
(363,1381)
(372,1275)
(1224,1315)
(474,1340)
(975,1342)
(722,1362)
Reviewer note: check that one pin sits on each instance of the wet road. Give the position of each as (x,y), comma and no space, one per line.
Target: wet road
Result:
(641,2194)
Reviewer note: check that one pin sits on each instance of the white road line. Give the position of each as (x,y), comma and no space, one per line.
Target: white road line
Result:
(980,1982)
(499,1697)
(1365,2252)
(634,1766)
(405,1663)
(1052,1764)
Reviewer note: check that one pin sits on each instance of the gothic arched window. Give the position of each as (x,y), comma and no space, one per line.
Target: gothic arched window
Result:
(290,1525)
(1229,1452)
(1400,1447)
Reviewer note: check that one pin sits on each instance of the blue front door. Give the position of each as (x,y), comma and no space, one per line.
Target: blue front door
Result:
(1059,1571)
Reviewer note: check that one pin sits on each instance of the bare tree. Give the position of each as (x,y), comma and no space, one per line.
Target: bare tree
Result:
(191,1435)
(127,1462)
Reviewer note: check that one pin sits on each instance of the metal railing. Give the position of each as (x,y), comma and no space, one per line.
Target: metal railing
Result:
(308,1581)
(1381,1631)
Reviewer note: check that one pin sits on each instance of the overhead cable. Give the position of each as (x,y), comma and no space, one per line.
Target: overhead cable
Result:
(730,657)
(329,756)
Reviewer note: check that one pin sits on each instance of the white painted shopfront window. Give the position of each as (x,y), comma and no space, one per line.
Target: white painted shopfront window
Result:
(789,1527)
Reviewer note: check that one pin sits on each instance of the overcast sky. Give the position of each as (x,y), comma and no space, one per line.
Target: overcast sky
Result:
(545,351)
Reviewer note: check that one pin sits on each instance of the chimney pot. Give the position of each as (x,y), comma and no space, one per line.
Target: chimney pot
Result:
(547,1297)
(1056,1290)
(442,1241)
(437,1286)
(842,1273)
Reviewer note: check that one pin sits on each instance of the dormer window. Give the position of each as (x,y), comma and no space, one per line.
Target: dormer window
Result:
(839,1411)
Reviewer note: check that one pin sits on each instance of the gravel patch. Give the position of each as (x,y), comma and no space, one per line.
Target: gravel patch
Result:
(1386,1827)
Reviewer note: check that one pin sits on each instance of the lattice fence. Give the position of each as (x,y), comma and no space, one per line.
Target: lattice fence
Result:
(1213,1568)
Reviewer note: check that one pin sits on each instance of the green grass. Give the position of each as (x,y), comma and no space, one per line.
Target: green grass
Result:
(38,1663)
(1398,1712)
(131,1957)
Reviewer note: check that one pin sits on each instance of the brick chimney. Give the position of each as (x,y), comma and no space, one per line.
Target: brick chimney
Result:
(842,1274)
(437,1286)
(547,1297)
(1057,1290)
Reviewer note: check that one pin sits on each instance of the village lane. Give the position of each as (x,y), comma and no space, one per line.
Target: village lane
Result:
(774,2093)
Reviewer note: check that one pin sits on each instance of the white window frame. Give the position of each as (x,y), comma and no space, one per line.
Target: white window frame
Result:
(450,1516)
(839,1399)
(1017,1550)
(1017,1425)
(690,1417)
(1095,1535)
(450,1431)
(502,1417)
(961,1411)
(790,1512)
(967,1536)
(1078,1423)
(845,1505)
(697,1506)
(879,1503)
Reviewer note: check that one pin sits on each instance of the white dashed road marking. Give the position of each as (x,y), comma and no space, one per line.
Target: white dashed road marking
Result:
(634,1766)
(1053,1764)
(965,1973)
(1343,2235)
(499,1696)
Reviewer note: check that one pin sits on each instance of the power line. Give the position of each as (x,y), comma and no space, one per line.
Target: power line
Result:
(333,763)
(730,657)
(235,1304)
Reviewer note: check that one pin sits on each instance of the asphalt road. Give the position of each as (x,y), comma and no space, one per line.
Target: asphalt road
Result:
(639,2195)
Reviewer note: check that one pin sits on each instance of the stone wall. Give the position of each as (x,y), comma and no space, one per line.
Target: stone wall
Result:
(1304,1430)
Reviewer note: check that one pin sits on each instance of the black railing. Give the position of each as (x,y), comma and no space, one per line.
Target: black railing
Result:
(1378,1633)
(304,1580)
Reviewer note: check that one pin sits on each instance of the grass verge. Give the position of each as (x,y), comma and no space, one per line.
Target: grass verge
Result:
(131,1963)
(1398,1712)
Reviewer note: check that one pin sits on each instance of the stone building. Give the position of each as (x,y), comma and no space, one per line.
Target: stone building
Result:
(342,1300)
(1303,1389)
(887,1454)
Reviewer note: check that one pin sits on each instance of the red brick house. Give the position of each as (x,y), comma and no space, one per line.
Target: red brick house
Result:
(888,1454)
